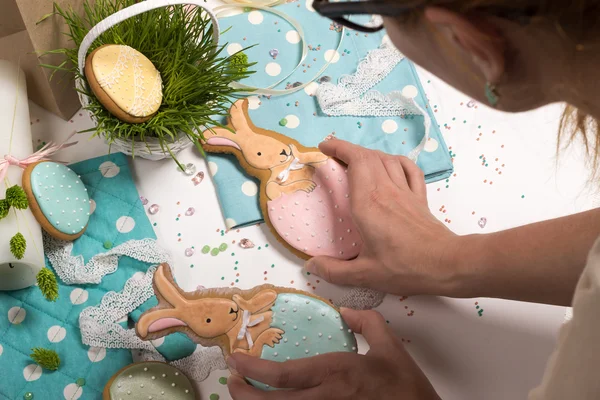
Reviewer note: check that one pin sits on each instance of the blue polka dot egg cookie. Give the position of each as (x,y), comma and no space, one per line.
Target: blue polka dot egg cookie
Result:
(273,323)
(58,199)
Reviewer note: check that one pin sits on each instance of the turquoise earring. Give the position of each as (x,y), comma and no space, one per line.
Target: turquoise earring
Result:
(492,94)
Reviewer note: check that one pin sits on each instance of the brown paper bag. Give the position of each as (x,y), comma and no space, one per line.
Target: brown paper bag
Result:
(22,40)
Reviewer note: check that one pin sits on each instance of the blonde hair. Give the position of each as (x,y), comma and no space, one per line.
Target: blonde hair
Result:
(576,21)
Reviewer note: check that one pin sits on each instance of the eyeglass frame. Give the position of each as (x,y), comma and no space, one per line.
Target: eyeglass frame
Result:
(338,11)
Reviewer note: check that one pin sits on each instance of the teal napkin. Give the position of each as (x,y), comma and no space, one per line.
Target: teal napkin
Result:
(237,191)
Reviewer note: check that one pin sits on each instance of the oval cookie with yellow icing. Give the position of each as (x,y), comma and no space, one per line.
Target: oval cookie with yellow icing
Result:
(149,380)
(58,199)
(125,81)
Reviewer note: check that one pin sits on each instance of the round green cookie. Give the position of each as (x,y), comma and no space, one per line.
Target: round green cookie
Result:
(58,199)
(149,380)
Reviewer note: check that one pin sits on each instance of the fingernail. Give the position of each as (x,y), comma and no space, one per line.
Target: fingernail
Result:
(309,266)
(231,362)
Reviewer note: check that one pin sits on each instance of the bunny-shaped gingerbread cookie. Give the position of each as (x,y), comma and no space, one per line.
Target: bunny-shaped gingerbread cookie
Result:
(269,322)
(304,194)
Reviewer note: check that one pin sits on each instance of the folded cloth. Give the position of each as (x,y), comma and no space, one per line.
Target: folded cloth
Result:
(28,320)
(298,115)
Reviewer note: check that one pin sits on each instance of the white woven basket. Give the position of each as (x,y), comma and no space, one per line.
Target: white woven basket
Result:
(149,149)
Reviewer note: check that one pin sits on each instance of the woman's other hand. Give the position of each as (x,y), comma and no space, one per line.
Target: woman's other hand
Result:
(406,250)
(387,371)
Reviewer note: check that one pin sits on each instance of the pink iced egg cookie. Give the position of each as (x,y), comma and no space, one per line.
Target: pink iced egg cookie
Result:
(318,223)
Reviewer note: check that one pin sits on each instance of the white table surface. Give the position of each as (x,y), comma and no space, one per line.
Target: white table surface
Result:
(499,355)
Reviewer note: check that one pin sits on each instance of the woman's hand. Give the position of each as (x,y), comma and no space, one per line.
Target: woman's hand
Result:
(406,250)
(387,371)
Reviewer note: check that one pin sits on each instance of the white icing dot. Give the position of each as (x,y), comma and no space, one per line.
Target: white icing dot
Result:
(353,348)
(332,56)
(317,353)
(287,358)
(164,375)
(323,313)
(249,188)
(292,121)
(306,351)
(287,301)
(303,337)
(255,17)
(410,91)
(299,239)
(56,334)
(153,378)
(341,328)
(283,323)
(145,368)
(311,88)
(292,36)
(141,385)
(309,318)
(273,69)
(297,344)
(108,169)
(16,315)
(294,309)
(320,334)
(130,376)
(234,48)
(275,354)
(173,384)
(349,330)
(282,309)
(431,145)
(295,327)
(125,224)
(32,372)
(345,344)
(253,102)
(389,126)
(285,340)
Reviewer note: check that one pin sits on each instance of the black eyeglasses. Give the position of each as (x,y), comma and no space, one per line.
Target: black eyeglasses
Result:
(340,11)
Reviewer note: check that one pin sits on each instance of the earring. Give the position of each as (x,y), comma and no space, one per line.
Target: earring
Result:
(492,94)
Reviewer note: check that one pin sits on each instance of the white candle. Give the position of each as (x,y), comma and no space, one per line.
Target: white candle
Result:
(14,121)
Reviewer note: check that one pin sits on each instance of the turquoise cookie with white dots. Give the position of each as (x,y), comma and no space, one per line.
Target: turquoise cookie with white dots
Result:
(149,380)
(268,322)
(58,199)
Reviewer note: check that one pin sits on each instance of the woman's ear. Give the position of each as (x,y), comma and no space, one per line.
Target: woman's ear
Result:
(474,36)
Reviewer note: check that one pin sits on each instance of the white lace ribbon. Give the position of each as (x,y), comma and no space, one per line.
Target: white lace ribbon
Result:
(99,324)
(294,165)
(246,323)
(72,270)
(352,96)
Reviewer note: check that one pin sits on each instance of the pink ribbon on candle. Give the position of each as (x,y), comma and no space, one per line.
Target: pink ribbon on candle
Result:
(42,154)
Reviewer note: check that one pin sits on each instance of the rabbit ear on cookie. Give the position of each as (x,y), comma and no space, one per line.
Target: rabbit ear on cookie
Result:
(168,313)
(241,129)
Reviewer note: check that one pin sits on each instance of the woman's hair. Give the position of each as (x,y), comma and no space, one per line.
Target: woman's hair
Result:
(576,21)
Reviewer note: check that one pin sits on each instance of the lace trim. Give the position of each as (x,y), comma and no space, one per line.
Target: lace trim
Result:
(99,327)
(353,95)
(361,299)
(71,269)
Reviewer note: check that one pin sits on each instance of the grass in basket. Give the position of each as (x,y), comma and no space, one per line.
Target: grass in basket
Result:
(179,41)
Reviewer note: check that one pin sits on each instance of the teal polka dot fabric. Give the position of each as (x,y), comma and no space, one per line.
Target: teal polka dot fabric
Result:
(277,51)
(28,320)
